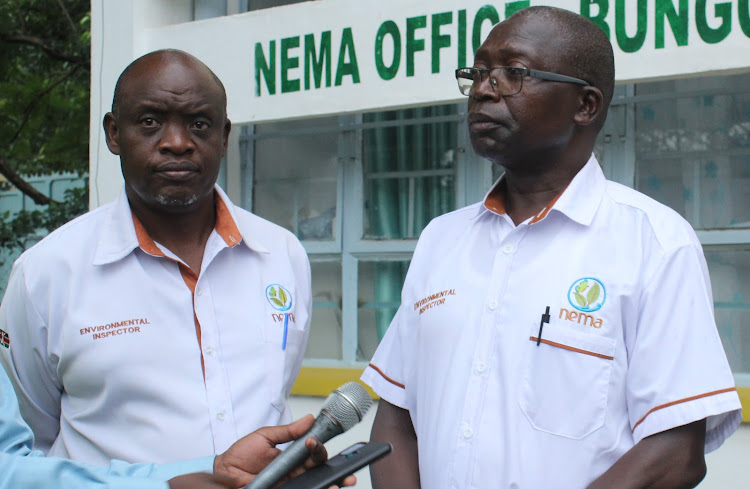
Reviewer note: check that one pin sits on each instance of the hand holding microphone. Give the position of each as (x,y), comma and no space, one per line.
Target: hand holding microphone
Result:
(344,407)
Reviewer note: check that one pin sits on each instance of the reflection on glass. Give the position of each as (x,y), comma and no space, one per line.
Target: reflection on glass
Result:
(325,328)
(379,288)
(731,289)
(409,171)
(295,181)
(693,152)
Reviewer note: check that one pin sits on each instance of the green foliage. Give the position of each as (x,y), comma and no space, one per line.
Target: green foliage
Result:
(16,233)
(44,102)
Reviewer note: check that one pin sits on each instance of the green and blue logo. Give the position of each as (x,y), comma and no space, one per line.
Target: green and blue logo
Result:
(587,294)
(279,298)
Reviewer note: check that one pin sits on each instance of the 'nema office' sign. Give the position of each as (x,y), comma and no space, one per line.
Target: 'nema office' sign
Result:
(336,56)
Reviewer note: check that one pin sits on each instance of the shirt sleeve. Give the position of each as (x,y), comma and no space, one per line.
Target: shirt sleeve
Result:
(392,371)
(389,370)
(27,361)
(678,372)
(31,471)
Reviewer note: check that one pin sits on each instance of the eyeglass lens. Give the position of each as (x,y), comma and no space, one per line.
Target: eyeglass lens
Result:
(505,80)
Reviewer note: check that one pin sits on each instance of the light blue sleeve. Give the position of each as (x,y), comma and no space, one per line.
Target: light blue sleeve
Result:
(22,467)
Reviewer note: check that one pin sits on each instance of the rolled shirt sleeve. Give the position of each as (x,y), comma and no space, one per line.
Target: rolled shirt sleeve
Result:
(677,372)
(387,373)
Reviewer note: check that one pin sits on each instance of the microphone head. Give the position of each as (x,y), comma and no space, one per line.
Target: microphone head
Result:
(348,404)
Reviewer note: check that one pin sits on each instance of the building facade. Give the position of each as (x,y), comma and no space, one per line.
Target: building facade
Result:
(348,130)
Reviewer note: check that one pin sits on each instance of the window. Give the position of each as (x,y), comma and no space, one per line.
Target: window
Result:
(686,143)
(357,190)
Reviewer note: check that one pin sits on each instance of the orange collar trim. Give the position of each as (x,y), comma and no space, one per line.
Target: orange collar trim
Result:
(145,241)
(225,227)
(495,202)
(543,213)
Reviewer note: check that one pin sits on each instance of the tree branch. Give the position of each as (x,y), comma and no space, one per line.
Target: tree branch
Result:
(38,97)
(67,16)
(21,184)
(51,51)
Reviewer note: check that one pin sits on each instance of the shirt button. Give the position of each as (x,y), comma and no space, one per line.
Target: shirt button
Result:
(209,350)
(198,291)
(220,416)
(481,367)
(508,249)
(492,304)
(468,432)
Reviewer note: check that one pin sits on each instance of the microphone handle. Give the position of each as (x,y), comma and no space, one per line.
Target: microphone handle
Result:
(323,429)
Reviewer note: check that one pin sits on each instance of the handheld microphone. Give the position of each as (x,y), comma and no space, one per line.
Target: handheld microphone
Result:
(342,409)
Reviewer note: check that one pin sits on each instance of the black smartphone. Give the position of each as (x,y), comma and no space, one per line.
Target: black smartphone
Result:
(337,468)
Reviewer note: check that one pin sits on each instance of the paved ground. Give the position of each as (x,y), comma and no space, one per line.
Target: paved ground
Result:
(726,466)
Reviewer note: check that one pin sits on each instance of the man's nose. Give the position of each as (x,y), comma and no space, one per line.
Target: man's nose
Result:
(176,139)
(484,89)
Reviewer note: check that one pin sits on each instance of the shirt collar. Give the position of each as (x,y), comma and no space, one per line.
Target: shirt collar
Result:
(122,232)
(579,200)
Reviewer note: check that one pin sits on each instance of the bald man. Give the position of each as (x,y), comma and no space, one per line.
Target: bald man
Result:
(576,346)
(167,324)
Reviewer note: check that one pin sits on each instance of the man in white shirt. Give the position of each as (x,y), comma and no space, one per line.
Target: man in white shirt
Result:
(165,325)
(559,334)
(22,467)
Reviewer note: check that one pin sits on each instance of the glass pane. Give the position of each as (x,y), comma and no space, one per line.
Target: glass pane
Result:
(731,289)
(409,171)
(325,327)
(295,181)
(379,286)
(693,152)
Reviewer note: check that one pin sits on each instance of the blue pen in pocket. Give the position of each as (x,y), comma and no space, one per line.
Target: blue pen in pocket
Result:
(281,300)
(286,329)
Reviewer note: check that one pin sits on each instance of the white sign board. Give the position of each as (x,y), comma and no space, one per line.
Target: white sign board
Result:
(337,56)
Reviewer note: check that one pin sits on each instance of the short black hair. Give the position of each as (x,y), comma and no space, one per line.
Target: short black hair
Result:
(169,53)
(584,47)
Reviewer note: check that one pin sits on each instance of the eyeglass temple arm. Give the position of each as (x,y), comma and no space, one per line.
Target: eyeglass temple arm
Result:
(546,75)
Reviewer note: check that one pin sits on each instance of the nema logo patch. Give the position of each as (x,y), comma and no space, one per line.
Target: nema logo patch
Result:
(587,294)
(279,298)
(4,339)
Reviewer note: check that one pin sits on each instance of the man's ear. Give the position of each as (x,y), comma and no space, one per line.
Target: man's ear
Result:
(225,135)
(590,105)
(112,133)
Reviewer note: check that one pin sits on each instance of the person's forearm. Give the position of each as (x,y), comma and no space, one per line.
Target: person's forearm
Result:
(160,472)
(669,460)
(18,471)
(400,469)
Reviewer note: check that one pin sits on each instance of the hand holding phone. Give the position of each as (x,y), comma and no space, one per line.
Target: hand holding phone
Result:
(337,468)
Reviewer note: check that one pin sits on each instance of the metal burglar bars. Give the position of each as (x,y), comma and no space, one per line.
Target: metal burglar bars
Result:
(358,189)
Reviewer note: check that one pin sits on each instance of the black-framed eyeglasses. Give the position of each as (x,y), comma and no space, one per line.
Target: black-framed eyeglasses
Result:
(506,80)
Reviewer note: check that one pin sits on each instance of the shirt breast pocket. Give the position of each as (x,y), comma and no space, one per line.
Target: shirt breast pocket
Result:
(283,348)
(566,383)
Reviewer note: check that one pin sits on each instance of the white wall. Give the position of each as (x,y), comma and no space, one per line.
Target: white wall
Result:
(726,466)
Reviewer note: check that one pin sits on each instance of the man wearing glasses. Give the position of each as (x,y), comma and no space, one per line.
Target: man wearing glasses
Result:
(577,347)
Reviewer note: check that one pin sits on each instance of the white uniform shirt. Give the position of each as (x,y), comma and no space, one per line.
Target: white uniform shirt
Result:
(631,348)
(102,327)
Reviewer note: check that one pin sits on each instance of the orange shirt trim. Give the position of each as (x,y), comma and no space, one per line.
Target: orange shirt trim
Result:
(377,369)
(680,401)
(577,350)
